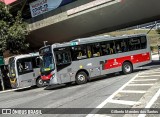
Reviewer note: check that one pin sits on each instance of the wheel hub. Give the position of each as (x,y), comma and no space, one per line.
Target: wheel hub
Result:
(127,68)
(81,78)
(40,81)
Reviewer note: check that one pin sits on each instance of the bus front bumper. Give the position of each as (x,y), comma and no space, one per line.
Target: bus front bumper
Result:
(49,79)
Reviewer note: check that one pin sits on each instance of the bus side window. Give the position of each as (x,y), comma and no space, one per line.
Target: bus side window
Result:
(124,45)
(28,66)
(63,58)
(134,44)
(104,48)
(59,58)
(96,50)
(111,47)
(118,46)
(36,62)
(78,52)
(24,65)
(19,67)
(143,42)
(89,51)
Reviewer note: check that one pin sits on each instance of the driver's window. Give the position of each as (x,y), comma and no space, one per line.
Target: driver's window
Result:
(63,58)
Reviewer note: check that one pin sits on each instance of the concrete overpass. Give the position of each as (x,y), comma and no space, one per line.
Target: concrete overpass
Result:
(77,19)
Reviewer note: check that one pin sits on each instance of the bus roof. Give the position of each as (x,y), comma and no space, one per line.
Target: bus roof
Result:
(95,39)
(25,55)
(91,40)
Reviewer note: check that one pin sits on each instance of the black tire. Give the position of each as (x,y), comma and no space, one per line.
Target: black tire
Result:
(81,78)
(39,82)
(127,68)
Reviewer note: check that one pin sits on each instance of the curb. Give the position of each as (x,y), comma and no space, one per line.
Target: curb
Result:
(13,90)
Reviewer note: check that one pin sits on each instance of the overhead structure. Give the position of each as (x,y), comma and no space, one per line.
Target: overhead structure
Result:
(76,21)
(83,18)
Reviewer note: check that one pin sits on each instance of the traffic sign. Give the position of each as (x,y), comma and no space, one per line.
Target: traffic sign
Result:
(1,60)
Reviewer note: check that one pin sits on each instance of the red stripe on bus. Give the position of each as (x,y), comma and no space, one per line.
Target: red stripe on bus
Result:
(117,62)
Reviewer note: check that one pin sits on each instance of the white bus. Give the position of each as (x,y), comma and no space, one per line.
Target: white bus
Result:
(83,59)
(24,70)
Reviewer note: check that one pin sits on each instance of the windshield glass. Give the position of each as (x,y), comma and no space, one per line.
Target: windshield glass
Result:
(47,62)
(12,72)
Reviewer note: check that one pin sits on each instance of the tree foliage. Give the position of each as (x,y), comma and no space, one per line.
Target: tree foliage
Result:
(13,31)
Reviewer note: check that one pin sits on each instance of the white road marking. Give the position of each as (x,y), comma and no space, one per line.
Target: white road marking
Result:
(140,84)
(132,91)
(151,102)
(110,98)
(154,71)
(151,73)
(100,115)
(145,80)
(149,76)
(124,102)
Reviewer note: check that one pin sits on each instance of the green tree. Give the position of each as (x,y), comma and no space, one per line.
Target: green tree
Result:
(13,31)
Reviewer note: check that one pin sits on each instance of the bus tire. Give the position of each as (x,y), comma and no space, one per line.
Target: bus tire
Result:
(39,82)
(81,78)
(127,68)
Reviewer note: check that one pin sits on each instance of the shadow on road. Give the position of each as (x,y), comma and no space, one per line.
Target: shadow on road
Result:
(26,89)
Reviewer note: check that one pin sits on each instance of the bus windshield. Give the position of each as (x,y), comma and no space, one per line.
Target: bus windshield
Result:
(47,62)
(12,72)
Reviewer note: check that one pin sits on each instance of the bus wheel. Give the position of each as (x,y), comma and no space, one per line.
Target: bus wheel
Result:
(81,78)
(127,68)
(39,82)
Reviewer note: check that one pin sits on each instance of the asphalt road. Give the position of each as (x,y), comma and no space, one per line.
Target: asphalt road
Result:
(103,91)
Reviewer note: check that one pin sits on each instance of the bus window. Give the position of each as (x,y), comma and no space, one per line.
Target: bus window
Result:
(89,51)
(104,48)
(143,42)
(35,62)
(96,50)
(110,48)
(118,44)
(24,66)
(28,66)
(63,58)
(121,45)
(78,52)
(134,44)
(124,45)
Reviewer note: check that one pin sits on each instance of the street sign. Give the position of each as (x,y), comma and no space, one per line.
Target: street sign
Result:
(1,60)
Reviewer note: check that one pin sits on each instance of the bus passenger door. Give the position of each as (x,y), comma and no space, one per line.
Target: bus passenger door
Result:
(63,61)
(25,72)
(36,69)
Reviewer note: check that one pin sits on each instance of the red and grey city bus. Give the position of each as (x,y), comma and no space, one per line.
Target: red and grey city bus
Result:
(83,59)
